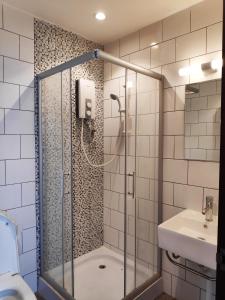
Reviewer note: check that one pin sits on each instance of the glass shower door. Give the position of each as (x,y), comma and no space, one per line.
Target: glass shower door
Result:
(142,160)
(147,178)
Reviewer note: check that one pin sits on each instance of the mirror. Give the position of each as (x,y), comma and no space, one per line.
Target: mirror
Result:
(202,120)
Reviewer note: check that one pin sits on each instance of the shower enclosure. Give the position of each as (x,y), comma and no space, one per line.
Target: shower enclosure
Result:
(99,224)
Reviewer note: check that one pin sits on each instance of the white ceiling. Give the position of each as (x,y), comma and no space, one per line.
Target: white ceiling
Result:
(123,16)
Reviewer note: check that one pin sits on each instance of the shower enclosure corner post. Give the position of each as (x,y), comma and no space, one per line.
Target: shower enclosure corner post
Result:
(40,169)
(160,163)
(62,181)
(71,186)
(125,191)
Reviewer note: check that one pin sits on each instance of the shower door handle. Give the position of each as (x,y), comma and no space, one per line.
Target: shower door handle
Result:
(62,185)
(133,175)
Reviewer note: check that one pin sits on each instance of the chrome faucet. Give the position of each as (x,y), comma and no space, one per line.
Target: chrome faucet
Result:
(208,210)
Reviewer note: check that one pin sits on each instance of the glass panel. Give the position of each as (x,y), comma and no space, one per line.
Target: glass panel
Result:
(131,94)
(52,214)
(142,159)
(98,193)
(147,159)
(114,179)
(56,165)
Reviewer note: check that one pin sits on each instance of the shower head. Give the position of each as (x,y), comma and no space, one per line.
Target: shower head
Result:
(115,97)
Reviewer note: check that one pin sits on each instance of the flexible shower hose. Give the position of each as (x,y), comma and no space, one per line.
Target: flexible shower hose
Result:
(86,156)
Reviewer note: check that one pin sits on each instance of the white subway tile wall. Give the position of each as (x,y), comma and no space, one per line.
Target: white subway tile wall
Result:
(19,122)
(18,22)
(9,44)
(163,53)
(26,98)
(18,72)
(17,166)
(197,36)
(26,49)
(191,44)
(28,193)
(129,44)
(9,95)
(214,37)
(206,13)
(151,34)
(176,25)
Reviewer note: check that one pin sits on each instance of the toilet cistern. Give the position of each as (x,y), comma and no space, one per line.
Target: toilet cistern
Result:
(12,285)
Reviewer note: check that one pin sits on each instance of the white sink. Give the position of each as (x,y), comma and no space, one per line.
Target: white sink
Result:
(186,235)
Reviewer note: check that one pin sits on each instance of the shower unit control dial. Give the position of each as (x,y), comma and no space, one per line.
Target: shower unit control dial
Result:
(86,98)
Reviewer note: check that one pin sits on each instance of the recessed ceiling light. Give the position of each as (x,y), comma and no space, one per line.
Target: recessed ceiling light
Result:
(100,16)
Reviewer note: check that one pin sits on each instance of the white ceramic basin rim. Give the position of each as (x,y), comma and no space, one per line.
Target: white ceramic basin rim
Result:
(188,235)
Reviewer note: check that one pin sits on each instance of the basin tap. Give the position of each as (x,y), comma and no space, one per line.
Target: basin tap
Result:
(208,210)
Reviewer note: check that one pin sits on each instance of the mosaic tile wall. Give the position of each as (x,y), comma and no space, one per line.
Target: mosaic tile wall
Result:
(54,46)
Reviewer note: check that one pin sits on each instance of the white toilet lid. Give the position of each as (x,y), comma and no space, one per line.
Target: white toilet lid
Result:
(8,245)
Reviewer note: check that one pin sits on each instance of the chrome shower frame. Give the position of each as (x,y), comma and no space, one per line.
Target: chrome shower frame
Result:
(46,287)
(98,54)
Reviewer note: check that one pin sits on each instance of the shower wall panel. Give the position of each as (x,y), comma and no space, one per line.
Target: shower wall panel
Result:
(54,46)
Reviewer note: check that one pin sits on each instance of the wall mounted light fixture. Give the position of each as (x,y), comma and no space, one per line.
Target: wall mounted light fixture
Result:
(213,66)
(216,64)
(210,67)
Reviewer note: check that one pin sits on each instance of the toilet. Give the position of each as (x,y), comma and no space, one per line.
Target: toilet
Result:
(12,285)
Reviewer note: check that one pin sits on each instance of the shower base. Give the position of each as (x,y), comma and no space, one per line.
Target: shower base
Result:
(99,275)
